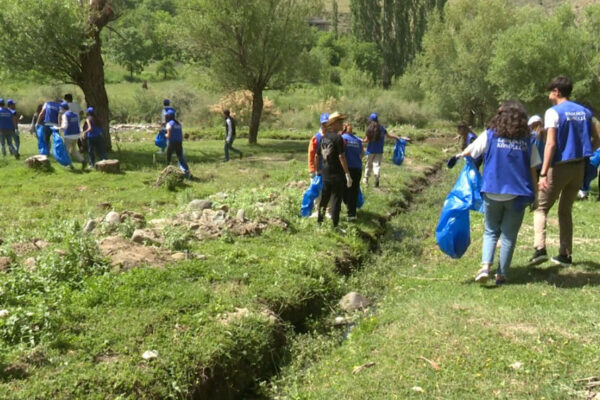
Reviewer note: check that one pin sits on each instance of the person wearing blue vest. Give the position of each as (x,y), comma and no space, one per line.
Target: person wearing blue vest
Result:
(48,117)
(538,134)
(354,155)
(166,108)
(12,106)
(375,139)
(93,136)
(70,129)
(569,137)
(7,121)
(509,176)
(175,136)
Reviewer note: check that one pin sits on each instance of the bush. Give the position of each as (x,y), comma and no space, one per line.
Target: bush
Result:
(240,104)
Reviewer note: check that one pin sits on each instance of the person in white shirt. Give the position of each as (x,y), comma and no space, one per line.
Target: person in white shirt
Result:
(73,106)
(70,128)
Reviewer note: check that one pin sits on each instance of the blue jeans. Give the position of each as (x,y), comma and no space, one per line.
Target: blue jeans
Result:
(95,147)
(229,146)
(6,135)
(502,222)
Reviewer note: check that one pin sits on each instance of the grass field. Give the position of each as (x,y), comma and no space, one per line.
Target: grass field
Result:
(77,326)
(436,334)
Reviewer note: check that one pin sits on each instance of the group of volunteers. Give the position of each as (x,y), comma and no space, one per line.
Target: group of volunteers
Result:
(9,127)
(336,154)
(526,164)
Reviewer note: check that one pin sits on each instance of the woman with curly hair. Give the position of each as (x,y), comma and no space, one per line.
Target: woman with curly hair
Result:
(509,176)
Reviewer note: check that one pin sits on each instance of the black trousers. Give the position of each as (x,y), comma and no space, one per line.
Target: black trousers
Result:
(177,148)
(351,193)
(333,190)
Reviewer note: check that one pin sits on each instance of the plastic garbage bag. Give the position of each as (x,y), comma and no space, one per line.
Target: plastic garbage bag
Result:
(453,231)
(161,139)
(399,151)
(42,145)
(361,199)
(59,150)
(595,159)
(591,171)
(310,195)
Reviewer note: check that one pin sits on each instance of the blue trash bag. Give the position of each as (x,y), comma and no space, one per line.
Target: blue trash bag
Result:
(595,159)
(453,231)
(310,195)
(399,151)
(59,150)
(591,171)
(42,145)
(361,199)
(161,139)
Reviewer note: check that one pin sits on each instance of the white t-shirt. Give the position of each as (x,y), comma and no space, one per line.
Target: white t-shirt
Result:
(76,108)
(480,146)
(551,119)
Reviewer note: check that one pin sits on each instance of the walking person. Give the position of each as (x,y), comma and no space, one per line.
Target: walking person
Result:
(47,118)
(509,176)
(73,105)
(71,132)
(538,134)
(230,135)
(335,172)
(375,139)
(314,144)
(166,108)
(354,154)
(571,137)
(7,121)
(92,134)
(175,136)
(12,106)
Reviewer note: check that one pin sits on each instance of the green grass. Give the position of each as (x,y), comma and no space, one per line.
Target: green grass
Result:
(427,305)
(78,327)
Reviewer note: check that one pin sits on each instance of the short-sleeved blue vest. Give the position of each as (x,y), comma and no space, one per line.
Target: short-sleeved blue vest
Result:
(573,134)
(51,115)
(377,146)
(72,124)
(353,151)
(176,132)
(6,119)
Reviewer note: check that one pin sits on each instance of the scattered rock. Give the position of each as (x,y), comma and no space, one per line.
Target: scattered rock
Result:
(516,365)
(235,316)
(4,313)
(5,263)
(40,244)
(199,205)
(127,254)
(178,256)
(109,166)
(60,252)
(224,208)
(39,162)
(138,219)
(112,217)
(340,321)
(146,236)
(29,263)
(241,215)
(171,176)
(150,355)
(159,223)
(271,316)
(23,248)
(89,226)
(104,205)
(354,301)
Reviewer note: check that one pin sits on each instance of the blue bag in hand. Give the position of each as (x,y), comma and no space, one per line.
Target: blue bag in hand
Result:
(361,199)
(310,195)
(42,145)
(161,139)
(453,232)
(399,151)
(59,149)
(595,159)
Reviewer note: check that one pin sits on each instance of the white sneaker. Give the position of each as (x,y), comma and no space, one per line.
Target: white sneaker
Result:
(582,195)
(328,215)
(482,275)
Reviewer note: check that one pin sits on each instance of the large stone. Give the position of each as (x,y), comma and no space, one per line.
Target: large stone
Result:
(170,176)
(38,162)
(146,236)
(354,301)
(5,263)
(30,264)
(241,215)
(108,166)
(199,205)
(112,217)
(127,254)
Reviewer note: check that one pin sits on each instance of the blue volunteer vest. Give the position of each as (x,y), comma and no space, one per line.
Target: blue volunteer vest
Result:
(507,167)
(377,147)
(52,110)
(471,137)
(6,119)
(540,145)
(95,132)
(573,133)
(164,111)
(176,132)
(353,151)
(72,124)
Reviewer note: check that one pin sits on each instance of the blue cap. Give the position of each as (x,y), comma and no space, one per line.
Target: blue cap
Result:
(324,118)
(90,110)
(373,117)
(10,102)
(166,102)
(1,100)
(170,112)
(64,105)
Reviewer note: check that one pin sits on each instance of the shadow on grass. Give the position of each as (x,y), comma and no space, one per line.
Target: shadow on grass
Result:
(558,276)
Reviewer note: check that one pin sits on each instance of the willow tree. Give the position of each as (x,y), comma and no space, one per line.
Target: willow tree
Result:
(61,40)
(248,42)
(396,26)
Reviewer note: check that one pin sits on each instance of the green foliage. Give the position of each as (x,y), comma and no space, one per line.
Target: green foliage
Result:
(166,68)
(131,50)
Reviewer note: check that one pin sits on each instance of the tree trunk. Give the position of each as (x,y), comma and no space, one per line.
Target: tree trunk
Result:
(257,108)
(91,83)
